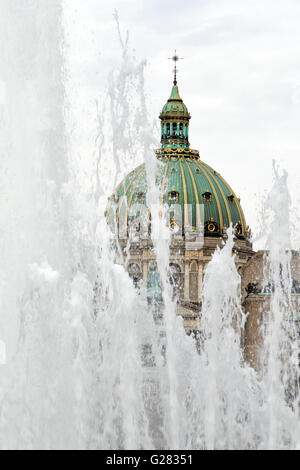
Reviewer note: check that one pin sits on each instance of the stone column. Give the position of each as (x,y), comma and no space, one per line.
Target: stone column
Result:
(186,280)
(200,281)
(145,271)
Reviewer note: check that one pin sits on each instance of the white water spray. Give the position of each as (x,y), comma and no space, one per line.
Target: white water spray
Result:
(78,379)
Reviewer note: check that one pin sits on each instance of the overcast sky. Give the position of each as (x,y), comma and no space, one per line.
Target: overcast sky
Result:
(240,77)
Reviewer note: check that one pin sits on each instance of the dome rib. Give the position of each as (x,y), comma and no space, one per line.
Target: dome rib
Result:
(237,203)
(230,191)
(216,198)
(185,196)
(229,218)
(163,184)
(198,213)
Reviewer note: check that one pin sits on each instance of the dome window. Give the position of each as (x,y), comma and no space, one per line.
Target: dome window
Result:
(197,170)
(230,198)
(211,227)
(173,224)
(296,287)
(239,229)
(174,170)
(173,196)
(207,196)
(140,196)
(115,198)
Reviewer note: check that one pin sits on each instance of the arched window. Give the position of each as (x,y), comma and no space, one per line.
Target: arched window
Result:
(181,130)
(140,196)
(174,129)
(194,267)
(176,279)
(168,130)
(193,281)
(134,273)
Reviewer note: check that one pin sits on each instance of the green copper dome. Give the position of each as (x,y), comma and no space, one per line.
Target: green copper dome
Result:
(197,195)
(183,182)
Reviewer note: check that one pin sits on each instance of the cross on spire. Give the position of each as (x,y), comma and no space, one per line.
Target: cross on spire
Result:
(175,59)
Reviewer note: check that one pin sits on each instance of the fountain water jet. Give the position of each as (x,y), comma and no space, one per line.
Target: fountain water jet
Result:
(78,379)
(281,342)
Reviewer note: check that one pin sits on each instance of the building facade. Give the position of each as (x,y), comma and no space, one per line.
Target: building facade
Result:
(201,206)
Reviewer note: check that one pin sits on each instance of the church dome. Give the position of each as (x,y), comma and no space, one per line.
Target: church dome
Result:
(200,191)
(196,194)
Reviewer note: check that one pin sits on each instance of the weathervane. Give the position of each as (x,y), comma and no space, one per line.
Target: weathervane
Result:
(175,58)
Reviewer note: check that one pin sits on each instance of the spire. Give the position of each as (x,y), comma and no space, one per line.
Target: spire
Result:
(175,59)
(175,121)
(175,118)
(175,93)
